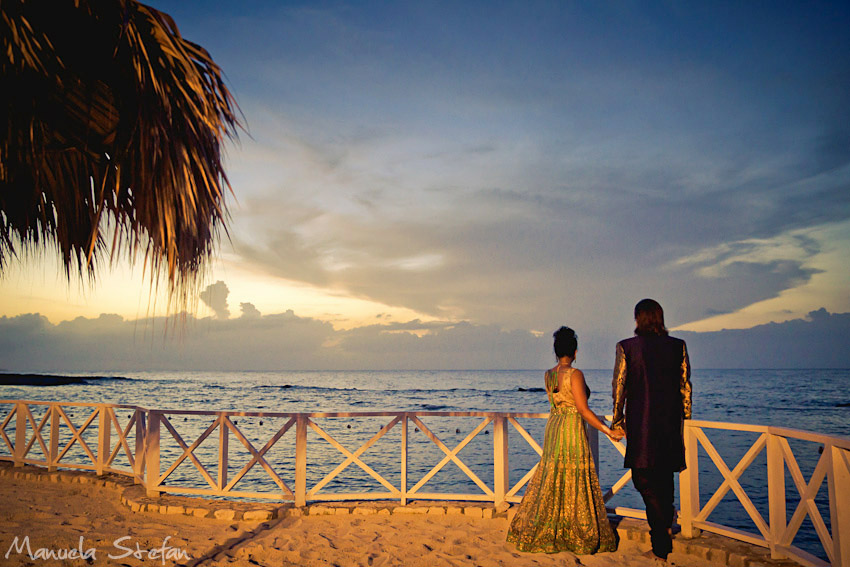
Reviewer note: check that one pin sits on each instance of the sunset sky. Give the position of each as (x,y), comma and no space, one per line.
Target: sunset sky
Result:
(420,168)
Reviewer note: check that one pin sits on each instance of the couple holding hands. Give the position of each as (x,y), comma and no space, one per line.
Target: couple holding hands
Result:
(562,509)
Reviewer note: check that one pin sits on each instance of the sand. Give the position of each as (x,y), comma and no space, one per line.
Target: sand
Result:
(54,516)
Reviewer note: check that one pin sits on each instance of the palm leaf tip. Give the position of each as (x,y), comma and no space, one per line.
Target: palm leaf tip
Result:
(110,120)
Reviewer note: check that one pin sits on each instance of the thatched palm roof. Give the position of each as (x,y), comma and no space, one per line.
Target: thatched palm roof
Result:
(111,133)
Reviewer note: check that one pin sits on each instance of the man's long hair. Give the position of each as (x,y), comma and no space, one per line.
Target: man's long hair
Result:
(649,318)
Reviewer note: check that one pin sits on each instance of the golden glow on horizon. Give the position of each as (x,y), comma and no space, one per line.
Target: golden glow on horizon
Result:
(38,285)
(271,294)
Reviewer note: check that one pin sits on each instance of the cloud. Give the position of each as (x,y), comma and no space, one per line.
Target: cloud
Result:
(286,341)
(215,296)
(249,311)
(256,342)
(545,167)
(524,185)
(817,341)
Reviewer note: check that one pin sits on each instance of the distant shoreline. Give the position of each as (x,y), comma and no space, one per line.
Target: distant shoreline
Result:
(8,379)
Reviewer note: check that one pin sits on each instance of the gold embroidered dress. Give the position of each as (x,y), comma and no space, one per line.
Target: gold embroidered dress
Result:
(562,509)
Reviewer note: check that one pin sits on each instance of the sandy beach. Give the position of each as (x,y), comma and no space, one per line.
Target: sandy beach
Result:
(55,511)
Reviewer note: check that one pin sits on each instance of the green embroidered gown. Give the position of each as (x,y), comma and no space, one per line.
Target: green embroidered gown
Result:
(562,509)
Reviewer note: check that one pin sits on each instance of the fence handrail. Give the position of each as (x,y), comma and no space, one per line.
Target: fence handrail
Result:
(140,440)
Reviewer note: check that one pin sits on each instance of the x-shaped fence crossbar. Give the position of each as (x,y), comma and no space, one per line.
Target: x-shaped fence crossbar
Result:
(30,431)
(777,532)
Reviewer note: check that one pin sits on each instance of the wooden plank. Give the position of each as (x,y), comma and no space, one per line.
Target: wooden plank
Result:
(451,455)
(732,533)
(777,504)
(803,557)
(689,493)
(76,435)
(5,437)
(501,471)
(352,457)
(104,437)
(215,492)
(727,426)
(223,451)
(10,414)
(20,434)
(618,486)
(843,442)
(141,434)
(301,422)
(731,481)
(821,530)
(525,435)
(188,451)
(122,439)
(454,497)
(403,486)
(839,504)
(54,437)
(258,456)
(77,466)
(152,438)
(36,429)
(522,481)
(808,492)
(355,496)
(627,512)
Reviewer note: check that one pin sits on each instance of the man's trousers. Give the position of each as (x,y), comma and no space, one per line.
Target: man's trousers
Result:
(656,488)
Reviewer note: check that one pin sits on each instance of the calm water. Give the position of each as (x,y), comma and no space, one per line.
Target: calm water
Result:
(813,400)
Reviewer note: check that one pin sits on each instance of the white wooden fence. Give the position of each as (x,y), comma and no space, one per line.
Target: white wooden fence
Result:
(51,432)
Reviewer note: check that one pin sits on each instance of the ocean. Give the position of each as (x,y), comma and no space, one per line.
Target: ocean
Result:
(811,400)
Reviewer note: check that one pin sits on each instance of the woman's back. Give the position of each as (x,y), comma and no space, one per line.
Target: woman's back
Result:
(560,396)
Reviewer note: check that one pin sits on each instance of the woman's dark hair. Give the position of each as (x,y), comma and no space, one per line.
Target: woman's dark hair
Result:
(566,342)
(649,318)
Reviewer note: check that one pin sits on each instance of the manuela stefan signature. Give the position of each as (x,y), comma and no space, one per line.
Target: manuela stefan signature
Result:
(122,548)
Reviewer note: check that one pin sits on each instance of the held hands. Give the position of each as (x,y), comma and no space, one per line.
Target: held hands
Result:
(615,434)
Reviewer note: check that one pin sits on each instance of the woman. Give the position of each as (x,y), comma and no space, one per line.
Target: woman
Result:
(562,509)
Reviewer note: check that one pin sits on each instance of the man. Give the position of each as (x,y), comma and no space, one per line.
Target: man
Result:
(652,383)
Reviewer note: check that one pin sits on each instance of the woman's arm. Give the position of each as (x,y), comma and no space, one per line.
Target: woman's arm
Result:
(579,390)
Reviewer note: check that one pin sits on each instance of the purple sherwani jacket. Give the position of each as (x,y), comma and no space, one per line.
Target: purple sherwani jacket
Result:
(652,398)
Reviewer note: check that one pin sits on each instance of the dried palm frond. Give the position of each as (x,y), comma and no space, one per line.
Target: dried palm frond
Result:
(110,118)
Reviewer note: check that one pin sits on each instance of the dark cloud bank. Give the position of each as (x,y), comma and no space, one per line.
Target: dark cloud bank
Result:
(286,341)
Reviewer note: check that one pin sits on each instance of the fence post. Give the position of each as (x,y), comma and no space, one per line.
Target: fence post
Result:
(301,460)
(104,434)
(839,504)
(52,463)
(152,455)
(776,494)
(404,459)
(689,505)
(20,433)
(500,459)
(139,461)
(223,450)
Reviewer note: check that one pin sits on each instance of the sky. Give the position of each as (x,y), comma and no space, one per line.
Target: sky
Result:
(444,184)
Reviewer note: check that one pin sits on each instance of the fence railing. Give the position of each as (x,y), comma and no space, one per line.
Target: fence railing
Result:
(51,432)
(776,532)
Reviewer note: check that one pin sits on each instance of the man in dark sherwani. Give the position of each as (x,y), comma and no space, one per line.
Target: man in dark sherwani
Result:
(652,398)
